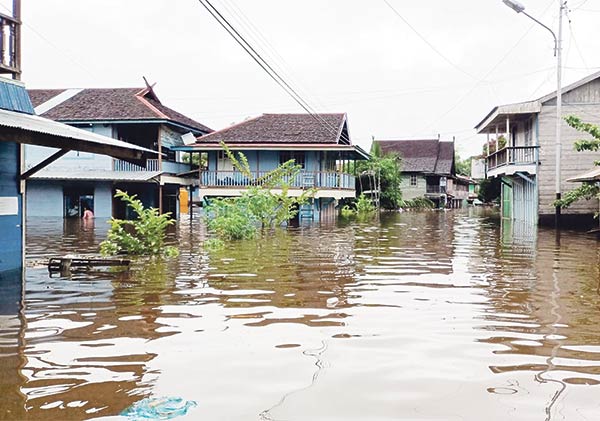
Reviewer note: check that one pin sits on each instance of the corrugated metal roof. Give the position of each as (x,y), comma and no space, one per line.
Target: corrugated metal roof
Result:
(58,135)
(14,97)
(96,175)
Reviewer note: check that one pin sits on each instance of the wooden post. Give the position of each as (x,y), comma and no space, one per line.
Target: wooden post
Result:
(17,40)
(160,188)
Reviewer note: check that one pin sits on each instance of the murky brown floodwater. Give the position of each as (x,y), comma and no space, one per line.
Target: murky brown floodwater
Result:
(421,316)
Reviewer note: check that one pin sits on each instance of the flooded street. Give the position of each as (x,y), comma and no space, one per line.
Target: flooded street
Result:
(418,316)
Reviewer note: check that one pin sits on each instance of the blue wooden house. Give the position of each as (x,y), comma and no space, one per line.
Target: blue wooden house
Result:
(83,180)
(18,127)
(320,144)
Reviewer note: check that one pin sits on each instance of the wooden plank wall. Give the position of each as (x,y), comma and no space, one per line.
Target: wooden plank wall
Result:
(572,163)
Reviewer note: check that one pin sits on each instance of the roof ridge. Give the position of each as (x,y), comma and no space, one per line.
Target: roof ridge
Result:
(152,108)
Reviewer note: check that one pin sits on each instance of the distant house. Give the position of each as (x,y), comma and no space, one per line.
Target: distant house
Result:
(426,166)
(78,180)
(526,166)
(320,144)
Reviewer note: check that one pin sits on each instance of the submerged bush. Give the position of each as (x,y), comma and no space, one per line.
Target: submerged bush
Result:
(419,203)
(363,206)
(238,218)
(144,235)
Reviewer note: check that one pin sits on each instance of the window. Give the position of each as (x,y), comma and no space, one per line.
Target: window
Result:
(223,162)
(413,179)
(298,157)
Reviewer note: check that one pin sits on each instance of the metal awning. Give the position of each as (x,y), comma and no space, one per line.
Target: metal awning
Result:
(34,130)
(592,175)
(96,175)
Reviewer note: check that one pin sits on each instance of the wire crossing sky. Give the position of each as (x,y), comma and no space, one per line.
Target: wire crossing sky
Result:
(399,69)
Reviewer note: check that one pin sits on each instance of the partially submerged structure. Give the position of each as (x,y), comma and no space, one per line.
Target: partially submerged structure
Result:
(320,144)
(18,127)
(426,166)
(526,165)
(84,180)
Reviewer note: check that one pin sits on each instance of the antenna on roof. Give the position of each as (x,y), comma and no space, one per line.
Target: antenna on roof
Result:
(150,90)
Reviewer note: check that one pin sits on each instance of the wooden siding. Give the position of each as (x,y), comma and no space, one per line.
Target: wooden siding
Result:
(586,94)
(10,224)
(572,162)
(410,192)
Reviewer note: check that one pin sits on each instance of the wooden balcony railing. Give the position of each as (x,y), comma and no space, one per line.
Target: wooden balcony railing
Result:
(151,165)
(304,179)
(513,155)
(9,44)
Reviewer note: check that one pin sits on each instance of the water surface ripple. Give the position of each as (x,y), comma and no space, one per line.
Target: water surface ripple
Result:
(417,316)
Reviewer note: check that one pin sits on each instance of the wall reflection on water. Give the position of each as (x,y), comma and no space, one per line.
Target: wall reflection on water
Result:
(425,302)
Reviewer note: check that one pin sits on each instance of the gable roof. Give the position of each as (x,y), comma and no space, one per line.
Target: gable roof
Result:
(113,104)
(284,129)
(430,156)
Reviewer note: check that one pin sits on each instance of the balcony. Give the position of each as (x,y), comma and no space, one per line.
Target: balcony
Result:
(513,159)
(120,165)
(303,180)
(9,44)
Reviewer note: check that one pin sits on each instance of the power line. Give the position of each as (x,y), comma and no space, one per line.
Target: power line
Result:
(438,52)
(462,98)
(267,67)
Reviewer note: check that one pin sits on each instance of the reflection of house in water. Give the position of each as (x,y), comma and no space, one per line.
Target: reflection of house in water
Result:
(82,346)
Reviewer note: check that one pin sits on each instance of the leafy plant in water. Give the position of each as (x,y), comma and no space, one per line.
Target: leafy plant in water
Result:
(144,235)
(259,206)
(419,203)
(363,207)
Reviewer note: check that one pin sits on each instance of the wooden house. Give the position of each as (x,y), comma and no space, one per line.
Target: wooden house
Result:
(526,165)
(78,180)
(320,144)
(18,127)
(426,167)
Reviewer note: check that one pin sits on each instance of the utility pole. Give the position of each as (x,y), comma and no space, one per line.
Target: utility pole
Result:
(563,5)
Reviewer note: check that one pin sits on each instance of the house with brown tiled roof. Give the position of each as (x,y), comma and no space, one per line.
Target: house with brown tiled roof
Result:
(427,166)
(83,180)
(319,143)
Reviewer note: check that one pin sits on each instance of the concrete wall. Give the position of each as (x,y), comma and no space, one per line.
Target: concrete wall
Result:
(410,192)
(573,163)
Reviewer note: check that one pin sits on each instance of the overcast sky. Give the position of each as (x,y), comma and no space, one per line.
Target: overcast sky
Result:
(434,67)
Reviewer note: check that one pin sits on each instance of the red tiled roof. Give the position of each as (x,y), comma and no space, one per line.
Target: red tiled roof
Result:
(425,155)
(110,104)
(284,128)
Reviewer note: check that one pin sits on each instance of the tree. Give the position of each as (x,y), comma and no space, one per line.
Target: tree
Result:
(588,190)
(382,175)
(144,235)
(462,166)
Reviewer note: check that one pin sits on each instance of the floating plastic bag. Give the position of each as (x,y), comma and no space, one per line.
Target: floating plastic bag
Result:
(164,408)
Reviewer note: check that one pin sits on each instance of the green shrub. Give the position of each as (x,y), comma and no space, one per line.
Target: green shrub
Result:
(419,203)
(144,235)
